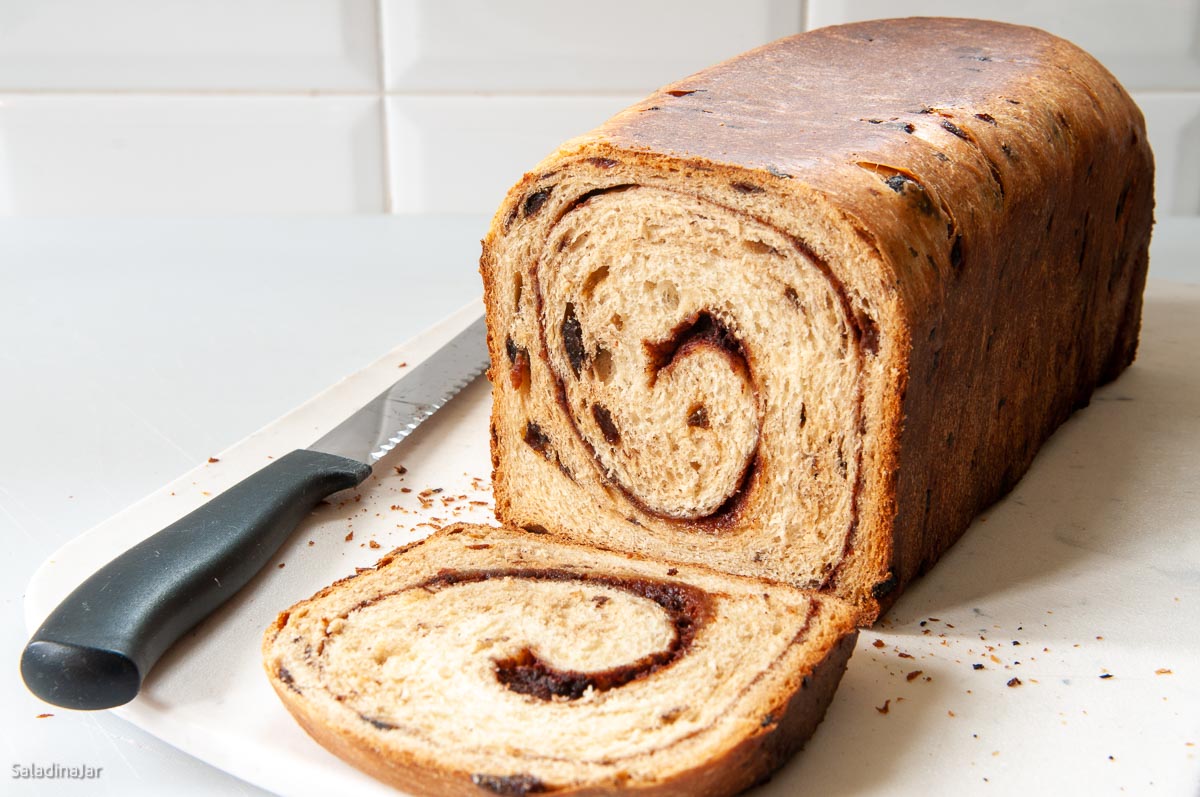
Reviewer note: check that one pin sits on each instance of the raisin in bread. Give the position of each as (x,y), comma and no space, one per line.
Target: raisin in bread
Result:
(803,314)
(484,659)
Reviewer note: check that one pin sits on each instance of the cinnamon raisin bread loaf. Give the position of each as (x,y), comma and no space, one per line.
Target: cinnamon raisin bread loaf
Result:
(803,314)
(484,659)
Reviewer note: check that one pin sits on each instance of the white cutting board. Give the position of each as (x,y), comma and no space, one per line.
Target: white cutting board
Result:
(1092,564)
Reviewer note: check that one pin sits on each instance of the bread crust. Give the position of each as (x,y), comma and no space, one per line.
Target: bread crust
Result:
(984,194)
(792,714)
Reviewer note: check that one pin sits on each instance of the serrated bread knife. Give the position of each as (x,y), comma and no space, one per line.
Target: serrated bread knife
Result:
(95,648)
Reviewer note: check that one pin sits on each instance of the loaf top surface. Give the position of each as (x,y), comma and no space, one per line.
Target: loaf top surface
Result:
(794,106)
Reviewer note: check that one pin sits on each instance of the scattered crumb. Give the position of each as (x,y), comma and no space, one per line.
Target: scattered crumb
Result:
(904,655)
(1162,671)
(205,492)
(977,666)
(1106,675)
(374,544)
(281,564)
(44,716)
(878,643)
(213,459)
(884,708)
(1014,681)
(950,714)
(311,543)
(914,675)
(402,365)
(406,489)
(401,470)
(350,536)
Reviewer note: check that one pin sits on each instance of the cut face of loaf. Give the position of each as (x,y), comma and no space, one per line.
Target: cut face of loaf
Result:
(484,659)
(802,315)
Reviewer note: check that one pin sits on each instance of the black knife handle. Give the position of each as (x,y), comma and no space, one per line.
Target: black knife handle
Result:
(96,646)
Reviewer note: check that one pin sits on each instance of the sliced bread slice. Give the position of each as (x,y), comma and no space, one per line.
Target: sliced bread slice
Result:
(494,660)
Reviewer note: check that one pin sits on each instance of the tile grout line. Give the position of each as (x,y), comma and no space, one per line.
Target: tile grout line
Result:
(385,122)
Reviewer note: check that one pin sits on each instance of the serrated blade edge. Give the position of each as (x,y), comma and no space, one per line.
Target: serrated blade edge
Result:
(382,423)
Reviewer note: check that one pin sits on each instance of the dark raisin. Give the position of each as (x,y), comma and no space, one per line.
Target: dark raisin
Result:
(605,422)
(534,202)
(977,666)
(603,163)
(535,438)
(746,188)
(885,587)
(698,416)
(868,334)
(510,349)
(896,182)
(286,676)
(767,721)
(954,129)
(956,253)
(518,374)
(380,724)
(535,528)
(572,335)
(909,128)
(509,785)
(803,415)
(986,117)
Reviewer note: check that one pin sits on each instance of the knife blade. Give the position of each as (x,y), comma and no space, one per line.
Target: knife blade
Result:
(95,648)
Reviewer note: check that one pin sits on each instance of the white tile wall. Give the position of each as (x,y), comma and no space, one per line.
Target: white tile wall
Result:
(538,45)
(365,106)
(456,153)
(189,155)
(189,45)
(1173,125)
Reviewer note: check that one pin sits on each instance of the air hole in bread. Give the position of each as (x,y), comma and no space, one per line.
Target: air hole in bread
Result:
(760,248)
(593,279)
(518,284)
(602,365)
(578,241)
(670,294)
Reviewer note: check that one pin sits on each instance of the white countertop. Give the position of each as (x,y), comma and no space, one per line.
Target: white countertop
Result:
(135,349)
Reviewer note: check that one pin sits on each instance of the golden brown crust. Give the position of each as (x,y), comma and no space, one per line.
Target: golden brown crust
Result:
(986,190)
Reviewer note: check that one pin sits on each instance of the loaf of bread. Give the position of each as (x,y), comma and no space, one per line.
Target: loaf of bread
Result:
(483,659)
(803,314)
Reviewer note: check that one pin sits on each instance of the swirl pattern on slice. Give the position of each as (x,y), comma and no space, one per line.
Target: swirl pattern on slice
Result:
(515,656)
(693,368)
